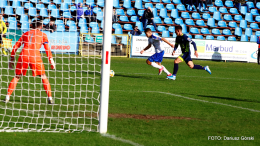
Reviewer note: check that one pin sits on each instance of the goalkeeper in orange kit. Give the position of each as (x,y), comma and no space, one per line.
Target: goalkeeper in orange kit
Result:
(30,56)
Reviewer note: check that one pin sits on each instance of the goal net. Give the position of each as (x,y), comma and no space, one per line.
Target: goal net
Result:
(75,83)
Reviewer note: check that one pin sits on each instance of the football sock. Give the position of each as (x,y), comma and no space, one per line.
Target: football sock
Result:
(165,70)
(156,65)
(7,97)
(50,98)
(47,86)
(12,86)
(175,69)
(198,67)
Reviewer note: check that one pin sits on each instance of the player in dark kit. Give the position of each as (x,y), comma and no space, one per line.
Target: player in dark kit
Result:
(184,41)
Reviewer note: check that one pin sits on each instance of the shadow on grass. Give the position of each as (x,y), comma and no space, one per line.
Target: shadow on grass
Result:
(140,77)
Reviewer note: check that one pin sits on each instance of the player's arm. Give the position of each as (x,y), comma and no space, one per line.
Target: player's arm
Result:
(48,51)
(175,48)
(146,48)
(166,41)
(195,48)
(16,46)
(5,28)
(258,40)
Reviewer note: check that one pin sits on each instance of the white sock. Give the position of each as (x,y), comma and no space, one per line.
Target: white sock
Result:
(7,97)
(156,65)
(165,70)
(50,98)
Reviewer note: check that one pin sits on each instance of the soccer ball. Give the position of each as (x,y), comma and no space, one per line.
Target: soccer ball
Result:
(112,73)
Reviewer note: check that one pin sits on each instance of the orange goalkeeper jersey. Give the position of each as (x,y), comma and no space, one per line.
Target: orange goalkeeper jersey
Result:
(32,41)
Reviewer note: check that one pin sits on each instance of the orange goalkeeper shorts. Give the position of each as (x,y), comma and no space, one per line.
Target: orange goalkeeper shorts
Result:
(36,66)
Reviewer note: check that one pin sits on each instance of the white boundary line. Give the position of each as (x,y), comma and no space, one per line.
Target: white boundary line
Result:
(121,139)
(218,103)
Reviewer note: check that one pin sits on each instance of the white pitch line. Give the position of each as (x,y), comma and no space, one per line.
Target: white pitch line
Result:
(196,77)
(218,103)
(121,139)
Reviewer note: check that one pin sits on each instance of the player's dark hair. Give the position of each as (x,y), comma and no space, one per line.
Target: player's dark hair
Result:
(37,23)
(178,27)
(147,30)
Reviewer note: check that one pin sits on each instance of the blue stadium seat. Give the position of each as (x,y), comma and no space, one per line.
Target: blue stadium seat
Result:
(58,22)
(253,38)
(171,29)
(163,13)
(44,12)
(250,5)
(157,20)
(243,10)
(174,13)
(170,6)
(174,35)
(67,15)
(228,17)
(194,30)
(238,31)
(146,5)
(127,4)
(25,27)
(90,2)
(99,16)
(116,4)
(20,11)
(82,22)
(205,16)
(226,32)
(51,7)
(113,40)
(143,34)
(258,5)
(254,12)
(39,6)
(238,18)
(205,31)
(248,32)
(151,27)
(211,22)
(9,10)
(57,1)
(154,10)
(243,24)
(166,34)
(221,38)
(176,1)
(61,27)
(189,36)
(147,1)
(185,15)
(161,28)
(233,11)
(46,1)
(232,24)
(140,25)
(209,37)
(120,12)
(3,4)
(166,1)
(101,3)
(131,12)
(24,18)
(79,1)
(124,40)
(69,2)
(140,12)
(184,28)
(128,27)
(244,38)
(223,10)
(138,4)
(215,31)
(34,1)
(134,19)
(94,24)
(212,9)
(73,8)
(222,24)
(16,4)
(199,37)
(181,7)
(229,4)
(55,13)
(95,30)
(64,7)
(11,19)
(118,31)
(70,23)
(218,3)
(116,25)
(156,1)
(231,38)
(159,6)
(46,21)
(32,12)
(249,17)
(217,16)
(73,28)
(123,18)
(195,15)
(12,25)
(257,33)
(200,23)
(168,21)
(189,22)
(254,26)
(178,21)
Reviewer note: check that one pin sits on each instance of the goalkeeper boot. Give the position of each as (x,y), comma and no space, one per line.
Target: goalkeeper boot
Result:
(207,69)
(172,77)
(50,101)
(160,70)
(6,100)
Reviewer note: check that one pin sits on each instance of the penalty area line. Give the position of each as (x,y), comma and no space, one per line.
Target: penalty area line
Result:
(121,139)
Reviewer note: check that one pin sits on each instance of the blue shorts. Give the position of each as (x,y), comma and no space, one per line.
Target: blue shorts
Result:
(185,57)
(157,57)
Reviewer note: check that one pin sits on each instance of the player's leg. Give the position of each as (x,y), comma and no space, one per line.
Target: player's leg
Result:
(12,87)
(47,87)
(175,68)
(151,61)
(194,66)
(163,68)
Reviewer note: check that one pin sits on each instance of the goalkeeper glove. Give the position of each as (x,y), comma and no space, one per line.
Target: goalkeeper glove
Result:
(11,63)
(52,63)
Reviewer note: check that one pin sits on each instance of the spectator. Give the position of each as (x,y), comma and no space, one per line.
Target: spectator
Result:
(136,31)
(205,2)
(239,3)
(195,3)
(51,26)
(3,30)
(80,12)
(148,18)
(258,52)
(114,17)
(89,14)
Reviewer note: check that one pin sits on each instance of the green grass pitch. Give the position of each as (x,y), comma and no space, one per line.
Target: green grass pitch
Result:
(149,110)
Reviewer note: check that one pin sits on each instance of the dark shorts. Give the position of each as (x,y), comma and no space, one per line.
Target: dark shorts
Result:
(157,57)
(185,57)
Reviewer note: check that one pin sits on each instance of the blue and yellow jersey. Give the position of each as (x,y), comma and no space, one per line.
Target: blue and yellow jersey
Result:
(184,41)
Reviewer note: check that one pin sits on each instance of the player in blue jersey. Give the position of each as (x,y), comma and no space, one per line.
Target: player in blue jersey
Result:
(156,59)
(184,42)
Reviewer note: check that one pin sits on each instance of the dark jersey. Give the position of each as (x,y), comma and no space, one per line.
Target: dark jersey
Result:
(184,41)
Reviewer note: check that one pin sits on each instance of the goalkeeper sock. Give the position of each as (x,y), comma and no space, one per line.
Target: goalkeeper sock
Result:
(156,65)
(47,86)
(175,69)
(12,86)
(7,97)
(165,70)
(198,67)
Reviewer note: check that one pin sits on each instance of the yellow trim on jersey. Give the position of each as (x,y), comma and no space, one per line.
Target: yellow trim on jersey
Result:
(181,58)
